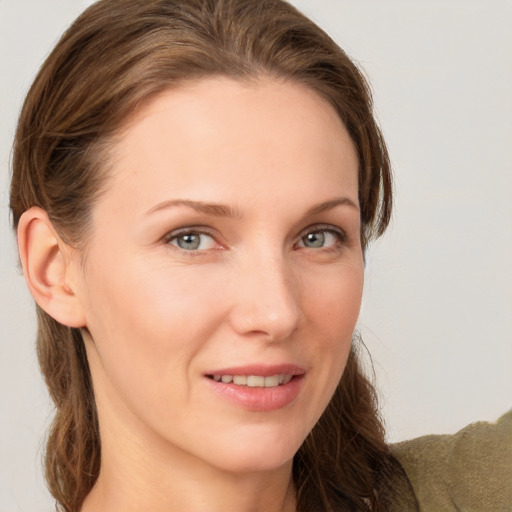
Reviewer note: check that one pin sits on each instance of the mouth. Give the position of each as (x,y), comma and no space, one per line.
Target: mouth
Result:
(257,387)
(254,381)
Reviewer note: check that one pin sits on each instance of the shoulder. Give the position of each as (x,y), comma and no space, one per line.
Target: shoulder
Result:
(468,471)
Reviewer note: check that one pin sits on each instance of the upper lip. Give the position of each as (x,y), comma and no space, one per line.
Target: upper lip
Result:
(258,369)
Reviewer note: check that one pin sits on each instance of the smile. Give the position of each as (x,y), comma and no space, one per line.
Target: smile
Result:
(252,391)
(254,381)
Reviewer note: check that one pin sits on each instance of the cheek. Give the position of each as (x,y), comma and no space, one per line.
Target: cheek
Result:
(147,324)
(333,305)
(332,310)
(148,321)
(131,295)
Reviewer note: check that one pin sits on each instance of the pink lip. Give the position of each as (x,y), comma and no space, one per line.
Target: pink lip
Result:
(259,399)
(263,370)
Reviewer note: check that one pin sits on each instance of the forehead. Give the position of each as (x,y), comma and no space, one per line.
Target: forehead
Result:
(220,136)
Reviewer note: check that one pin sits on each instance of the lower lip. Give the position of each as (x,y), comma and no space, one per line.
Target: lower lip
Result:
(259,399)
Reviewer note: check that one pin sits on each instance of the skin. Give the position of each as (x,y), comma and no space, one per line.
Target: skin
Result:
(156,317)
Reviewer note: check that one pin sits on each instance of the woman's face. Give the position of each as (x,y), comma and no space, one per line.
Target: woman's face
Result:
(223,276)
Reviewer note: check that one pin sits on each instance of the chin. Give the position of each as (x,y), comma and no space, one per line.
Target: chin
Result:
(257,452)
(264,461)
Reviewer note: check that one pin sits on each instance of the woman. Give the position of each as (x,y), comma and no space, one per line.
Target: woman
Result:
(194,187)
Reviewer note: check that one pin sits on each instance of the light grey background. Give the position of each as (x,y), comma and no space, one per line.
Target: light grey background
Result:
(438,301)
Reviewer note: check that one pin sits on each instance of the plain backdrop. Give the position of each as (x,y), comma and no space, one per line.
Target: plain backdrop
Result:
(438,301)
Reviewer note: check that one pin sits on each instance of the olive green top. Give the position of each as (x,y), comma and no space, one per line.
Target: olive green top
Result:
(470,471)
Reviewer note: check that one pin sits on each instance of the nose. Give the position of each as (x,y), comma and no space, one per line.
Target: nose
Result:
(266,299)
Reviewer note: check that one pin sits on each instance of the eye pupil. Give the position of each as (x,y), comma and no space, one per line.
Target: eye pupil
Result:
(315,240)
(189,241)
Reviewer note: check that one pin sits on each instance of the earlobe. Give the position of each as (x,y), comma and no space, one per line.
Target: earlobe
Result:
(46,267)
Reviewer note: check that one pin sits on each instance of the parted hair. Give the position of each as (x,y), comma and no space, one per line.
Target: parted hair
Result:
(115,57)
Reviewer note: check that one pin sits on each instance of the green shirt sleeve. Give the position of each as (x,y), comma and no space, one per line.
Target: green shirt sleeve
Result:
(470,471)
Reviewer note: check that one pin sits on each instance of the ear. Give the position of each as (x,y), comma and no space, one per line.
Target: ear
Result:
(47,266)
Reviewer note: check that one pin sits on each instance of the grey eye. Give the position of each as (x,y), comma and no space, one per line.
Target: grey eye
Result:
(192,241)
(321,238)
(189,242)
(314,240)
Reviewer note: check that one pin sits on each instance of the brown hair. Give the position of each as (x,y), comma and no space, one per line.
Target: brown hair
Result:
(117,55)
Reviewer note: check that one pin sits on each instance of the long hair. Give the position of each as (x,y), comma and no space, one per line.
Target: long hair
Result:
(117,55)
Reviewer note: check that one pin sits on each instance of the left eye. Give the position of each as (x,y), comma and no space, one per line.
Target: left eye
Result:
(320,239)
(192,241)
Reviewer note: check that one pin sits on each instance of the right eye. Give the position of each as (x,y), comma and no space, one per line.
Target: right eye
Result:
(192,241)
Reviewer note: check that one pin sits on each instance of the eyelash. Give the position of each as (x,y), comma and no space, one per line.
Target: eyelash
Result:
(174,235)
(339,234)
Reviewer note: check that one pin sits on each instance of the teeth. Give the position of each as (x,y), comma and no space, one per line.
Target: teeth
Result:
(272,382)
(240,380)
(286,379)
(254,381)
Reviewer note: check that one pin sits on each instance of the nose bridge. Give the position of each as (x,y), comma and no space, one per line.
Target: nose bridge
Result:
(267,299)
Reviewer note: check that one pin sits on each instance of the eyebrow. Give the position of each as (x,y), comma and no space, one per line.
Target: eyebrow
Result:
(330,204)
(222,210)
(214,209)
